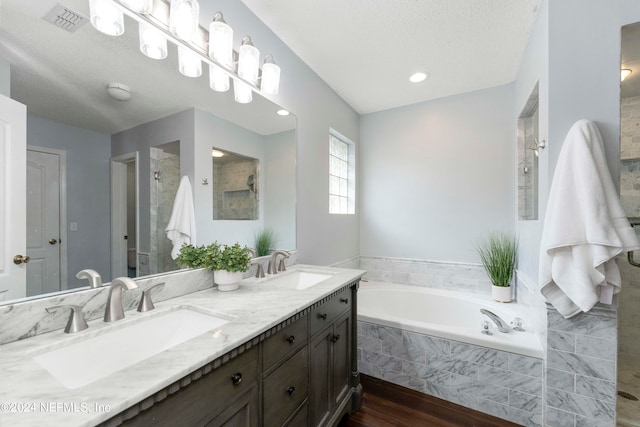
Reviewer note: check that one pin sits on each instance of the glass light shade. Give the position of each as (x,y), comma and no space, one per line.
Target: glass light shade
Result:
(183,18)
(140,6)
(106,18)
(152,42)
(218,79)
(221,41)
(189,63)
(270,78)
(248,61)
(242,92)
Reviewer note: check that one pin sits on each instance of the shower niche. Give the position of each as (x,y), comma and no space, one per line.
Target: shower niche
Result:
(528,151)
(235,186)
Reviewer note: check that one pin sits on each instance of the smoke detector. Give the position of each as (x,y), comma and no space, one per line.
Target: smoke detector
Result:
(119,91)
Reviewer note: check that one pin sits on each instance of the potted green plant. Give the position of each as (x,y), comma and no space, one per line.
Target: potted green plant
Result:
(265,242)
(230,263)
(498,253)
(198,256)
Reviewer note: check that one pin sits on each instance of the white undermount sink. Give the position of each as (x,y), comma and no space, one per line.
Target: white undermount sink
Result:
(300,279)
(88,360)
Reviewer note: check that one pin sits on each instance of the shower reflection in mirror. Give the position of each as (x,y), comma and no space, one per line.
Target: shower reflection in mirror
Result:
(235,186)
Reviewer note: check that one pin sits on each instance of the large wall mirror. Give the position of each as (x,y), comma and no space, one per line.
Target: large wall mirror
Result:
(112,168)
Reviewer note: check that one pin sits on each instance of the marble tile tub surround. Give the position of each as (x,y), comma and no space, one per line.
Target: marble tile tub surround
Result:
(29,318)
(433,274)
(580,386)
(499,383)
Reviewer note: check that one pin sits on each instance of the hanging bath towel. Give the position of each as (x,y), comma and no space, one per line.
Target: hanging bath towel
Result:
(584,227)
(182,225)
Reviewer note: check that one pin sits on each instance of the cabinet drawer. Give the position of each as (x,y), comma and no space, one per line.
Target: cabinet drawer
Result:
(326,313)
(286,341)
(285,389)
(233,378)
(301,419)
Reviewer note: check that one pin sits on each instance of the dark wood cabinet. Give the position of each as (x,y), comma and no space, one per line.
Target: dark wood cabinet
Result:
(302,372)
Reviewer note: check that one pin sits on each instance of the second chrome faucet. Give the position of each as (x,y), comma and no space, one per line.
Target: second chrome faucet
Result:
(114,310)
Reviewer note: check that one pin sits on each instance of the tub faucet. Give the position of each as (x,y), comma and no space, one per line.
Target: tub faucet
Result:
(114,310)
(95,281)
(501,324)
(271,269)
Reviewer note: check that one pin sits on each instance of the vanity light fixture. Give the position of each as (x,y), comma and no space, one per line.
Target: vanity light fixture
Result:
(216,153)
(178,23)
(624,73)
(106,18)
(418,77)
(183,18)
(152,42)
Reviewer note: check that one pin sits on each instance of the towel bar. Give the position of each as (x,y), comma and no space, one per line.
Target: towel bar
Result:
(633,221)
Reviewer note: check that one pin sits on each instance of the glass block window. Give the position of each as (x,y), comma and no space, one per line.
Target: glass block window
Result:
(341,175)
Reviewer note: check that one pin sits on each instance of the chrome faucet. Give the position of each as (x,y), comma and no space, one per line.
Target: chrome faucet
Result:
(501,324)
(95,281)
(76,322)
(146,304)
(253,252)
(259,270)
(114,310)
(271,269)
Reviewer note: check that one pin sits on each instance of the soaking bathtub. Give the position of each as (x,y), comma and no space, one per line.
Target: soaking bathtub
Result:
(445,314)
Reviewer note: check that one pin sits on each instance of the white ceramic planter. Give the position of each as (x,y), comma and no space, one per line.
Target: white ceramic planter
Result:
(501,293)
(227,281)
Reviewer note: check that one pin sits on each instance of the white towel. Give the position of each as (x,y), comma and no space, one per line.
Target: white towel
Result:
(182,225)
(584,226)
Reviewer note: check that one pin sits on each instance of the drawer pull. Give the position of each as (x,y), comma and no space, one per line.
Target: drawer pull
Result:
(290,390)
(322,316)
(236,378)
(291,339)
(344,300)
(335,338)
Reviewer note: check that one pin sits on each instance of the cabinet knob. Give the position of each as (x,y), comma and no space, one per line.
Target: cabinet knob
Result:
(344,300)
(290,390)
(291,339)
(322,316)
(236,378)
(335,338)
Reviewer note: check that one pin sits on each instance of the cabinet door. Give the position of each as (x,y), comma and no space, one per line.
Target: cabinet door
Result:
(320,385)
(341,357)
(241,413)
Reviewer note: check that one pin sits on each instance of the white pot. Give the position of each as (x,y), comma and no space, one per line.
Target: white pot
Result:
(501,293)
(227,281)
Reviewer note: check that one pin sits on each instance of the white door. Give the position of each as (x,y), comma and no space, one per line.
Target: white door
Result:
(13,149)
(43,222)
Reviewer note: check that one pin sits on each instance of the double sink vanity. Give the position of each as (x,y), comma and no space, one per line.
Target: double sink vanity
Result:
(279,351)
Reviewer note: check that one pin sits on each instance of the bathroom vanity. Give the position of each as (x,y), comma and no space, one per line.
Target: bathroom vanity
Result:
(284,357)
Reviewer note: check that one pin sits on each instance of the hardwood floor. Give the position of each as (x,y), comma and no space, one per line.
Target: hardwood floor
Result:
(389,405)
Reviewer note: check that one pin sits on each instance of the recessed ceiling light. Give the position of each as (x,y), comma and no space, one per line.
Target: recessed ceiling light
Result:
(624,73)
(418,77)
(282,112)
(216,153)
(119,91)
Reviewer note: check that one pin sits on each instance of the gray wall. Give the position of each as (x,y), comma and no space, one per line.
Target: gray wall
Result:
(322,238)
(5,78)
(177,127)
(280,187)
(438,175)
(88,190)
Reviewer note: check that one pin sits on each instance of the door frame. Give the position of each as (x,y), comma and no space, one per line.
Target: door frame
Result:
(118,217)
(62,155)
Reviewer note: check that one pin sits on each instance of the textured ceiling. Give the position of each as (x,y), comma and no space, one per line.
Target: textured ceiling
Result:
(366,49)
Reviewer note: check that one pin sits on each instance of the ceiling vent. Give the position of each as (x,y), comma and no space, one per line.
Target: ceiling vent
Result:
(65,18)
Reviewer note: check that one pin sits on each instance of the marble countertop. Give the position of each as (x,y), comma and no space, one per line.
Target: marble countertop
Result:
(30,396)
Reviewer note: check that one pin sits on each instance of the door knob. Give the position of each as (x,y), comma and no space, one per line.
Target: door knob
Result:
(19,259)
(53,241)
